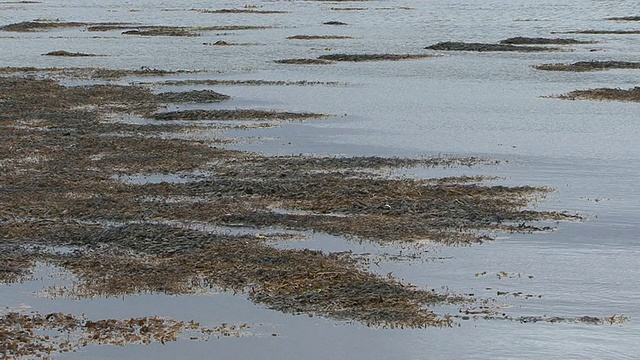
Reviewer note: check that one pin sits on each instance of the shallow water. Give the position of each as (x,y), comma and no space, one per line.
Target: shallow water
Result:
(466,104)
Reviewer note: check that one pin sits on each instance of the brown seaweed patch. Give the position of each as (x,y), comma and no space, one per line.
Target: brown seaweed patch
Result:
(216,82)
(604,32)
(151,29)
(161,32)
(582,66)
(194,96)
(542,41)
(39,335)
(604,94)
(139,258)
(240,11)
(372,57)
(318,37)
(303,61)
(625,18)
(92,73)
(482,47)
(227,43)
(68,54)
(236,114)
(27,26)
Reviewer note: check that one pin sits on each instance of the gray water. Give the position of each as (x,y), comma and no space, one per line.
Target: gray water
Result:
(464,104)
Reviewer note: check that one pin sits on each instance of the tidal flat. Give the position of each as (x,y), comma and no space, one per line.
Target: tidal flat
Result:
(174,199)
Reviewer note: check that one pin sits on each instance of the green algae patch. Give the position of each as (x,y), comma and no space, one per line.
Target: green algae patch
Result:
(583,66)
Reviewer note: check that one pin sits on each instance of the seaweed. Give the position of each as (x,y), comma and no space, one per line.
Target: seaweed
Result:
(303,61)
(482,47)
(542,41)
(372,57)
(318,37)
(68,54)
(604,94)
(582,66)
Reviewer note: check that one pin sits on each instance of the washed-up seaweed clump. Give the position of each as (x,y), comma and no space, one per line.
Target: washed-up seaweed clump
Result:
(482,47)
(372,57)
(604,94)
(542,41)
(236,114)
(37,335)
(583,66)
(68,54)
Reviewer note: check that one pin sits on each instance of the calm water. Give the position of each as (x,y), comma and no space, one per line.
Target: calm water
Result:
(465,104)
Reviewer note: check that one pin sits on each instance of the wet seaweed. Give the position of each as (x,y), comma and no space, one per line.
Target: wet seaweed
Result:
(68,54)
(63,186)
(161,32)
(216,82)
(603,94)
(240,11)
(28,26)
(41,335)
(542,41)
(193,96)
(338,23)
(625,18)
(91,73)
(604,32)
(236,114)
(482,47)
(318,37)
(303,61)
(583,66)
(372,57)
